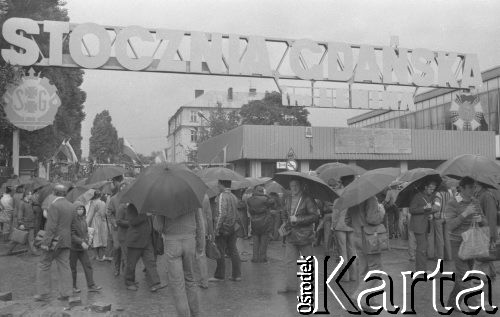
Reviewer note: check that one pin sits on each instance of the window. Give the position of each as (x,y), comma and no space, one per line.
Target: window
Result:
(194,135)
(194,116)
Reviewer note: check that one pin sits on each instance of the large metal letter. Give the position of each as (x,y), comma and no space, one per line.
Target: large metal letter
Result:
(256,58)
(212,51)
(367,68)
(471,76)
(314,72)
(167,61)
(56,29)
(121,42)
(445,74)
(334,70)
(398,64)
(75,45)
(9,32)
(422,59)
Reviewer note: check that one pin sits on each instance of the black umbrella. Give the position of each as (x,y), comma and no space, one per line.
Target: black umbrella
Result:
(168,191)
(480,168)
(220,173)
(316,187)
(414,180)
(365,186)
(105,173)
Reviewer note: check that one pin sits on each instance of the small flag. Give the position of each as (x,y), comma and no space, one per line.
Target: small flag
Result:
(129,151)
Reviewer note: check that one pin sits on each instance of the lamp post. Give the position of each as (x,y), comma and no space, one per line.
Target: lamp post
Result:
(202,116)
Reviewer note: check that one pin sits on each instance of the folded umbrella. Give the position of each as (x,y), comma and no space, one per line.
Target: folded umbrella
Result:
(414,180)
(480,168)
(365,186)
(220,173)
(105,173)
(168,191)
(338,170)
(316,187)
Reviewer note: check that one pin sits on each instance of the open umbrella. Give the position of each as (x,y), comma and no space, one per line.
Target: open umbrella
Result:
(105,173)
(415,179)
(316,187)
(365,186)
(480,168)
(273,187)
(249,182)
(348,168)
(338,170)
(220,173)
(36,183)
(169,191)
(80,193)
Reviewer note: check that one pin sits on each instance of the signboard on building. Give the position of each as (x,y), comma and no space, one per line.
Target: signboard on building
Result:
(32,104)
(345,98)
(466,112)
(373,141)
(281,165)
(249,56)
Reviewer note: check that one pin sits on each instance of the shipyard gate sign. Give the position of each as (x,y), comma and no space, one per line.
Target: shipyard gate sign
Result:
(135,48)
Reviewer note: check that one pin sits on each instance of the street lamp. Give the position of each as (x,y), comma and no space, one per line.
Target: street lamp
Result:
(201,115)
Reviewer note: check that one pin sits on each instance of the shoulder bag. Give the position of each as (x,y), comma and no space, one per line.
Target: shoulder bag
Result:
(285,229)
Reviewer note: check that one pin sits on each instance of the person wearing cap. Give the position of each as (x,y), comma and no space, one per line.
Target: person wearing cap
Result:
(60,219)
(259,205)
(226,225)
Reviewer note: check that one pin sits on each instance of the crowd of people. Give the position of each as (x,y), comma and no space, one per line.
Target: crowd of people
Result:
(118,232)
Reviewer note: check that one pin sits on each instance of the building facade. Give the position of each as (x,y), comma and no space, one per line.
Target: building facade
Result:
(257,151)
(434,111)
(185,125)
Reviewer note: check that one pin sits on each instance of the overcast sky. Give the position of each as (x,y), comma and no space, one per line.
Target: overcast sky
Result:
(141,103)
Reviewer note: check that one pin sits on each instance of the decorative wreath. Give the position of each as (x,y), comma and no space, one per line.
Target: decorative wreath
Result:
(466,112)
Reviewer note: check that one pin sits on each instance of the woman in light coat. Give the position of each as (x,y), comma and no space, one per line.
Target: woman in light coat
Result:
(96,219)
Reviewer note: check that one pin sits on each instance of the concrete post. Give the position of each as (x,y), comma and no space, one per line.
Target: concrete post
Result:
(15,151)
(304,166)
(403,166)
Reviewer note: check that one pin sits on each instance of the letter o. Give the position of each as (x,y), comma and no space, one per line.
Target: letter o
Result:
(121,48)
(75,48)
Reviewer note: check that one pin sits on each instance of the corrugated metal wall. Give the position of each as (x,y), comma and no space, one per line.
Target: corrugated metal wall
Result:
(274,142)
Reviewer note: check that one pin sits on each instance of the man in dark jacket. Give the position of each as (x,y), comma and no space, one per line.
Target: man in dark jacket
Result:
(114,206)
(259,208)
(140,245)
(421,208)
(122,227)
(60,218)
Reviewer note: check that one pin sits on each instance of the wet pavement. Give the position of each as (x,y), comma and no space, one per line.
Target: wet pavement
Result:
(256,295)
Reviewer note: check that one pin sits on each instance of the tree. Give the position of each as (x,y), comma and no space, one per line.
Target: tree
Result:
(67,124)
(104,145)
(270,110)
(219,121)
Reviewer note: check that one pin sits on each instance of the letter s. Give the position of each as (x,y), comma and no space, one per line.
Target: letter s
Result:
(9,32)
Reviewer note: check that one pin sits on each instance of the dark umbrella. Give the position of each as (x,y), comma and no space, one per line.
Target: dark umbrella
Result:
(273,187)
(480,168)
(365,186)
(249,182)
(414,180)
(220,173)
(338,170)
(316,187)
(105,173)
(350,168)
(35,183)
(168,191)
(78,191)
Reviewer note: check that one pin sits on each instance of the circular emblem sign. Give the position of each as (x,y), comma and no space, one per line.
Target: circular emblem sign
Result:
(466,112)
(291,165)
(32,104)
